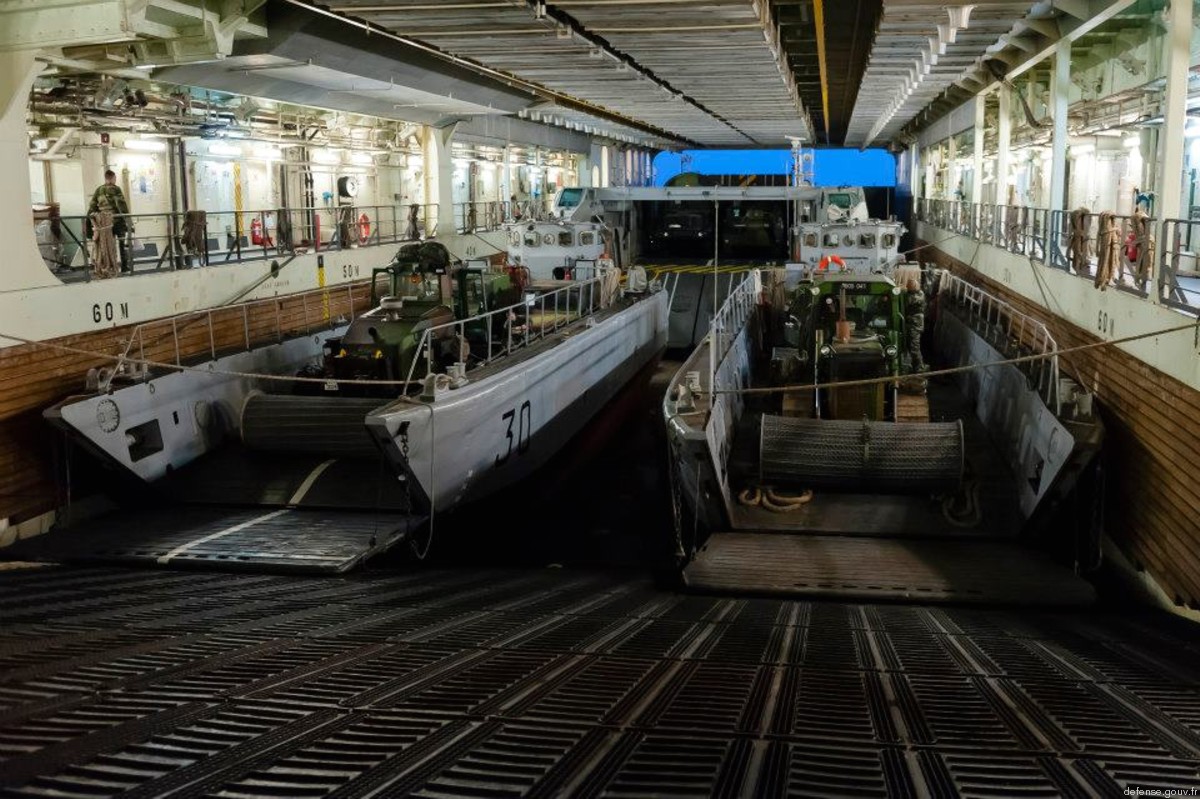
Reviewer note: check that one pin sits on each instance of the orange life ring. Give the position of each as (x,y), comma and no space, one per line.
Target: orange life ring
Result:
(364,227)
(824,263)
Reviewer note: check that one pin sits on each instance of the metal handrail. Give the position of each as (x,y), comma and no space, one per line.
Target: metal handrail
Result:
(1178,260)
(308,228)
(595,301)
(138,332)
(995,318)
(731,316)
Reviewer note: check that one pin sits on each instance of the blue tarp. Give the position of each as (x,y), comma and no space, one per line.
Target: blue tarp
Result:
(831,167)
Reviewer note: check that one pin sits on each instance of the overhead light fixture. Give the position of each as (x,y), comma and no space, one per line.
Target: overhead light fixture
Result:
(1082,149)
(363,159)
(145,145)
(326,157)
(1132,142)
(268,152)
(221,148)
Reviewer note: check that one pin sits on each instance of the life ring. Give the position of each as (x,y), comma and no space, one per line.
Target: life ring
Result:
(364,227)
(824,263)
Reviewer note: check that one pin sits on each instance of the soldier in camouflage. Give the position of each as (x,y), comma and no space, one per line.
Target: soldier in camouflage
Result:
(109,197)
(914,323)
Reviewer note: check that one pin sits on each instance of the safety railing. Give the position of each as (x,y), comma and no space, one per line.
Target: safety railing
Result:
(513,327)
(1179,265)
(482,216)
(1010,331)
(156,242)
(211,332)
(729,371)
(1123,250)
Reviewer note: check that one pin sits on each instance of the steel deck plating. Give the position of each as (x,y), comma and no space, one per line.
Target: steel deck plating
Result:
(552,682)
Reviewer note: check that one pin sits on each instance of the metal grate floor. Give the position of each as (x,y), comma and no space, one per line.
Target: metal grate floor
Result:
(560,683)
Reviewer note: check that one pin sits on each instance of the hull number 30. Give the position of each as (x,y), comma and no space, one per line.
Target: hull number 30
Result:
(518,426)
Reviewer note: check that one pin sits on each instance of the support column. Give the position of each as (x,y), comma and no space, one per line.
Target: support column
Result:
(506,176)
(439,177)
(1004,143)
(916,176)
(977,155)
(1168,203)
(23,265)
(1060,88)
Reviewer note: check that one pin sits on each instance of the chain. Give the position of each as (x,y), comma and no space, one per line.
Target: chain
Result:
(408,476)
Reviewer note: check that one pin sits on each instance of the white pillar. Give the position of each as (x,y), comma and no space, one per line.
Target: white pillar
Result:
(1168,202)
(439,177)
(916,180)
(1060,88)
(505,175)
(977,155)
(23,265)
(1004,143)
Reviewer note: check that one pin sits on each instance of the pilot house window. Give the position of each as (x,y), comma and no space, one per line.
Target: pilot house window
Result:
(810,239)
(866,240)
(889,240)
(831,239)
(565,238)
(587,238)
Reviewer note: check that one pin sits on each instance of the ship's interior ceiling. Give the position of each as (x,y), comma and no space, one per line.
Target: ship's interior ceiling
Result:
(656,73)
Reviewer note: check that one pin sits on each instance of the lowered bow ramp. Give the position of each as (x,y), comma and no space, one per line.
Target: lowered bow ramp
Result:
(308,491)
(873,569)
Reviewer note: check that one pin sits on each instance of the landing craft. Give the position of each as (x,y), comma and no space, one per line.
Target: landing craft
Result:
(465,379)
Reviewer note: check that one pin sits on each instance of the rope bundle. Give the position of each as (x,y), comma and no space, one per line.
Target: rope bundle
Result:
(106,261)
(1077,247)
(1108,250)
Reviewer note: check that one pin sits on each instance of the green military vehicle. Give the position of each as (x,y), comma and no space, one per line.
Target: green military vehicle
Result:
(425,289)
(843,327)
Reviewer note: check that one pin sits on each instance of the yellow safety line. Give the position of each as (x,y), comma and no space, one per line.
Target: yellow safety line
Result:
(819,23)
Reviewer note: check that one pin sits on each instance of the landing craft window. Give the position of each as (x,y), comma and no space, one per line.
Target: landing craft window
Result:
(866,240)
(831,239)
(848,241)
(532,239)
(569,198)
(514,238)
(889,240)
(587,238)
(810,239)
(566,238)
(548,239)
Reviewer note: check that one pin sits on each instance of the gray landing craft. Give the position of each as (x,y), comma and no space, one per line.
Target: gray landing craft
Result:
(463,380)
(960,488)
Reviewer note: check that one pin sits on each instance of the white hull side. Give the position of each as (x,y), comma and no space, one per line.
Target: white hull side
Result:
(173,401)
(492,433)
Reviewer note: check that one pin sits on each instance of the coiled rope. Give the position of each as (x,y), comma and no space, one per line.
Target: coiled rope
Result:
(106,261)
(1108,250)
(1077,245)
(772,501)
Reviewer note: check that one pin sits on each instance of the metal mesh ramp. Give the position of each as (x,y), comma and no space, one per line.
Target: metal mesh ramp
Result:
(885,569)
(553,682)
(283,539)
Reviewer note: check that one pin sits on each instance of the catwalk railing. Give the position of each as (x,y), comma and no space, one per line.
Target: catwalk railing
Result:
(1159,261)
(156,242)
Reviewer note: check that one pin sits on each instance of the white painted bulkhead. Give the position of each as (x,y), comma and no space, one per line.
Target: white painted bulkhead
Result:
(1110,314)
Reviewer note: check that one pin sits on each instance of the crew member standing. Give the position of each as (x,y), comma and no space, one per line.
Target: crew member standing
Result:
(914,323)
(109,197)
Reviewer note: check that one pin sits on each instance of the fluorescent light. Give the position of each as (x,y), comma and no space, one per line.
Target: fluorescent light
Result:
(267,152)
(146,145)
(221,148)
(326,157)
(1132,142)
(362,158)
(1082,149)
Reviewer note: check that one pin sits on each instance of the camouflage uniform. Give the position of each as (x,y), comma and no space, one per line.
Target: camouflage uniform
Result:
(110,198)
(914,322)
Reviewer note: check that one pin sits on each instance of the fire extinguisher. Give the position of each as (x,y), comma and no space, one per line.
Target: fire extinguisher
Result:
(256,231)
